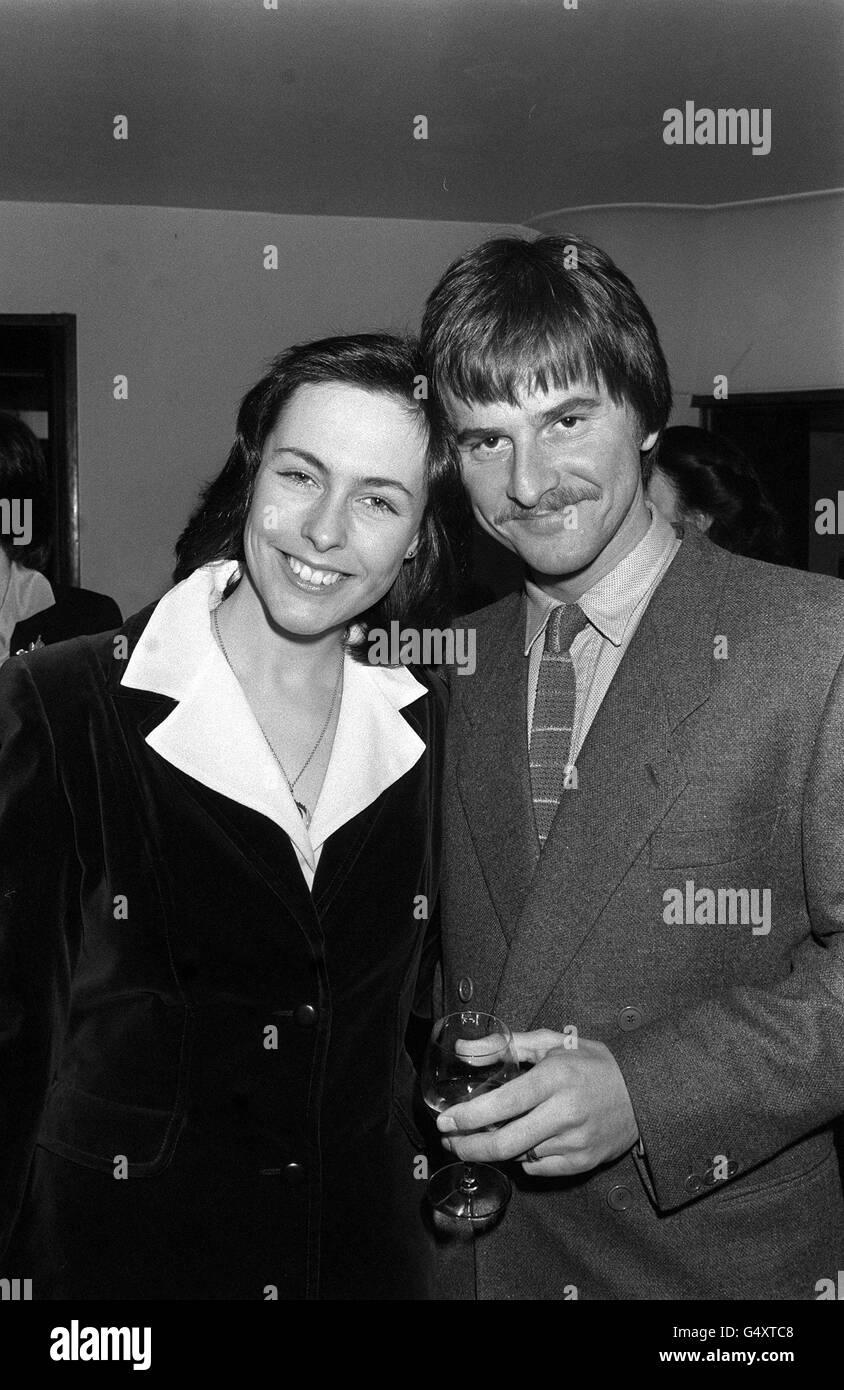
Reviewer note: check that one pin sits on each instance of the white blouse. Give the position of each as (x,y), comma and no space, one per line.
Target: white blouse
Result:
(213,735)
(27,593)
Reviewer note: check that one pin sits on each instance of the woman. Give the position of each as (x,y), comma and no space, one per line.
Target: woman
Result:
(34,613)
(219,853)
(704,479)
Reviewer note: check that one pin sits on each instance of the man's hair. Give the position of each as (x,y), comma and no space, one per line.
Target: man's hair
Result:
(423,592)
(516,315)
(23,478)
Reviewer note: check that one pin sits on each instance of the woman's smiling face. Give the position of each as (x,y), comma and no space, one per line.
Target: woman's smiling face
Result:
(337,503)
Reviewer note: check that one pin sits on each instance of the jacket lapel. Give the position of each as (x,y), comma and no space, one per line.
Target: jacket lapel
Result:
(628,777)
(493,774)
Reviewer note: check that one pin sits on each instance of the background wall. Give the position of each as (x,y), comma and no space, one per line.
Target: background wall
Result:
(755,293)
(178,301)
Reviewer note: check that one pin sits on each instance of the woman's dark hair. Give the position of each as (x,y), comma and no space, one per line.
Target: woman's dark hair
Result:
(548,312)
(423,592)
(23,478)
(712,475)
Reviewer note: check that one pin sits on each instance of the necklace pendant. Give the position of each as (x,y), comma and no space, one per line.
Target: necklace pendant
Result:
(303,812)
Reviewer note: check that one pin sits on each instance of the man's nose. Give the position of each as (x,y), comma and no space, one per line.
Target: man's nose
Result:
(324,525)
(532,474)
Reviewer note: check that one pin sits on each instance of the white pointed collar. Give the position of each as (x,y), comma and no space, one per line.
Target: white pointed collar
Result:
(213,736)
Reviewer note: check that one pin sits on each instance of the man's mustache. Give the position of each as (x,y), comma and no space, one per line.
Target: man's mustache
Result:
(556,501)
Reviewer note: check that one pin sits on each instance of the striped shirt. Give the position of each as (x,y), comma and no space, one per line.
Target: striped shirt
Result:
(615,607)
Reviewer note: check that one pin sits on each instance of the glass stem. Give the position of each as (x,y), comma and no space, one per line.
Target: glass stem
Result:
(469,1185)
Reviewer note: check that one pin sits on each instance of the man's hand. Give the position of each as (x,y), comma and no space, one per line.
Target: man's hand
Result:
(572,1107)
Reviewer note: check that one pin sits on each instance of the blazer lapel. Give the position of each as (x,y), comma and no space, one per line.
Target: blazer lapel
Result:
(628,777)
(493,774)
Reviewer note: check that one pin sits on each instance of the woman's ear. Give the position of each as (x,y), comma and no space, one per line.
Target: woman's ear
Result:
(412,549)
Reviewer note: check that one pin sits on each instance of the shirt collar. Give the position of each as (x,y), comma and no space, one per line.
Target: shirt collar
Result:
(613,601)
(213,736)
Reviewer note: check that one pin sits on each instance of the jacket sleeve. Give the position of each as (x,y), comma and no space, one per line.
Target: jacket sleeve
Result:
(755,1068)
(39,896)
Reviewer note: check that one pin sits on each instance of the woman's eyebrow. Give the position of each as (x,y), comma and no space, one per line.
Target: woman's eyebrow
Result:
(317,463)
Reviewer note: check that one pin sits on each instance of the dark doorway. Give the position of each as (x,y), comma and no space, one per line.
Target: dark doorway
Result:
(796,441)
(38,384)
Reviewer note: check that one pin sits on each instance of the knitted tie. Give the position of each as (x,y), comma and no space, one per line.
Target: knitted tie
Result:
(553,715)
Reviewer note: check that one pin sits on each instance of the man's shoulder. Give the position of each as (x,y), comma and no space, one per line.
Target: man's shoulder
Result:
(493,615)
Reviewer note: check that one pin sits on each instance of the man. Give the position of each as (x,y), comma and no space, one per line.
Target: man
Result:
(644,827)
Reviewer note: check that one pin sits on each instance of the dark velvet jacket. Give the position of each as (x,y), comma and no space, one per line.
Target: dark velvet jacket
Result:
(154,1143)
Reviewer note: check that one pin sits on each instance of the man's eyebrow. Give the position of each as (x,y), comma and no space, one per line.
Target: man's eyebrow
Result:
(321,467)
(546,417)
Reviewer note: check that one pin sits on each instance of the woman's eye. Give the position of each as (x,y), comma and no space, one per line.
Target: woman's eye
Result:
(378,504)
(299,479)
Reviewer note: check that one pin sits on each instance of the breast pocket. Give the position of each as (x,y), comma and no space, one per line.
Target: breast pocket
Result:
(692,839)
(109,1136)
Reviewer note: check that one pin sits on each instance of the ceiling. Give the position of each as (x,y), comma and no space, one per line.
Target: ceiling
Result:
(531,106)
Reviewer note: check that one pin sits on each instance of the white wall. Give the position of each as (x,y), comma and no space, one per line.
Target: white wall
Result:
(178,300)
(753,293)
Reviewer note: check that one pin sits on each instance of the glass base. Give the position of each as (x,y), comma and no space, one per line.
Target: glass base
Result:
(469,1194)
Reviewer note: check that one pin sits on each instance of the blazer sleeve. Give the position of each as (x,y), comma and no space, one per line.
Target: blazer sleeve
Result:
(38,889)
(753,1069)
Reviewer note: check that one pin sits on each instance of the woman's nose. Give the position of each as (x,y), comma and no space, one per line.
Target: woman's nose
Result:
(324,525)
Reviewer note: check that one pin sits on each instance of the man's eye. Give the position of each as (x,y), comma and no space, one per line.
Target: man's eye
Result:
(569,420)
(490,444)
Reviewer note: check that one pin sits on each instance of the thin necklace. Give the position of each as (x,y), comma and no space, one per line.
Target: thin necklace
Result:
(300,805)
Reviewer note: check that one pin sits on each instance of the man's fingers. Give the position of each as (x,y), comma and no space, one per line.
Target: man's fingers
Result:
(512,1140)
(494,1107)
(532,1047)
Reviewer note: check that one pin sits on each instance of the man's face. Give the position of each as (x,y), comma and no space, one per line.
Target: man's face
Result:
(556,478)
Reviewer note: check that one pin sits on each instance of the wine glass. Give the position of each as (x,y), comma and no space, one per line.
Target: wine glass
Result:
(469,1053)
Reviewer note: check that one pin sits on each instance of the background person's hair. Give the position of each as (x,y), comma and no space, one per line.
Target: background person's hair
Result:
(711,474)
(23,478)
(514,314)
(423,593)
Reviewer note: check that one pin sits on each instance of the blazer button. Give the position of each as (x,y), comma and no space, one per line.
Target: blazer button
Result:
(693,1183)
(305,1016)
(465,989)
(620,1198)
(294,1173)
(629,1018)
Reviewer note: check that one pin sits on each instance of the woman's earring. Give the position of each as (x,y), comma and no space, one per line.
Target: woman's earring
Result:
(411,552)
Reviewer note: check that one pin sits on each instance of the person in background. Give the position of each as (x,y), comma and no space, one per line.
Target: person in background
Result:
(34,612)
(705,479)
